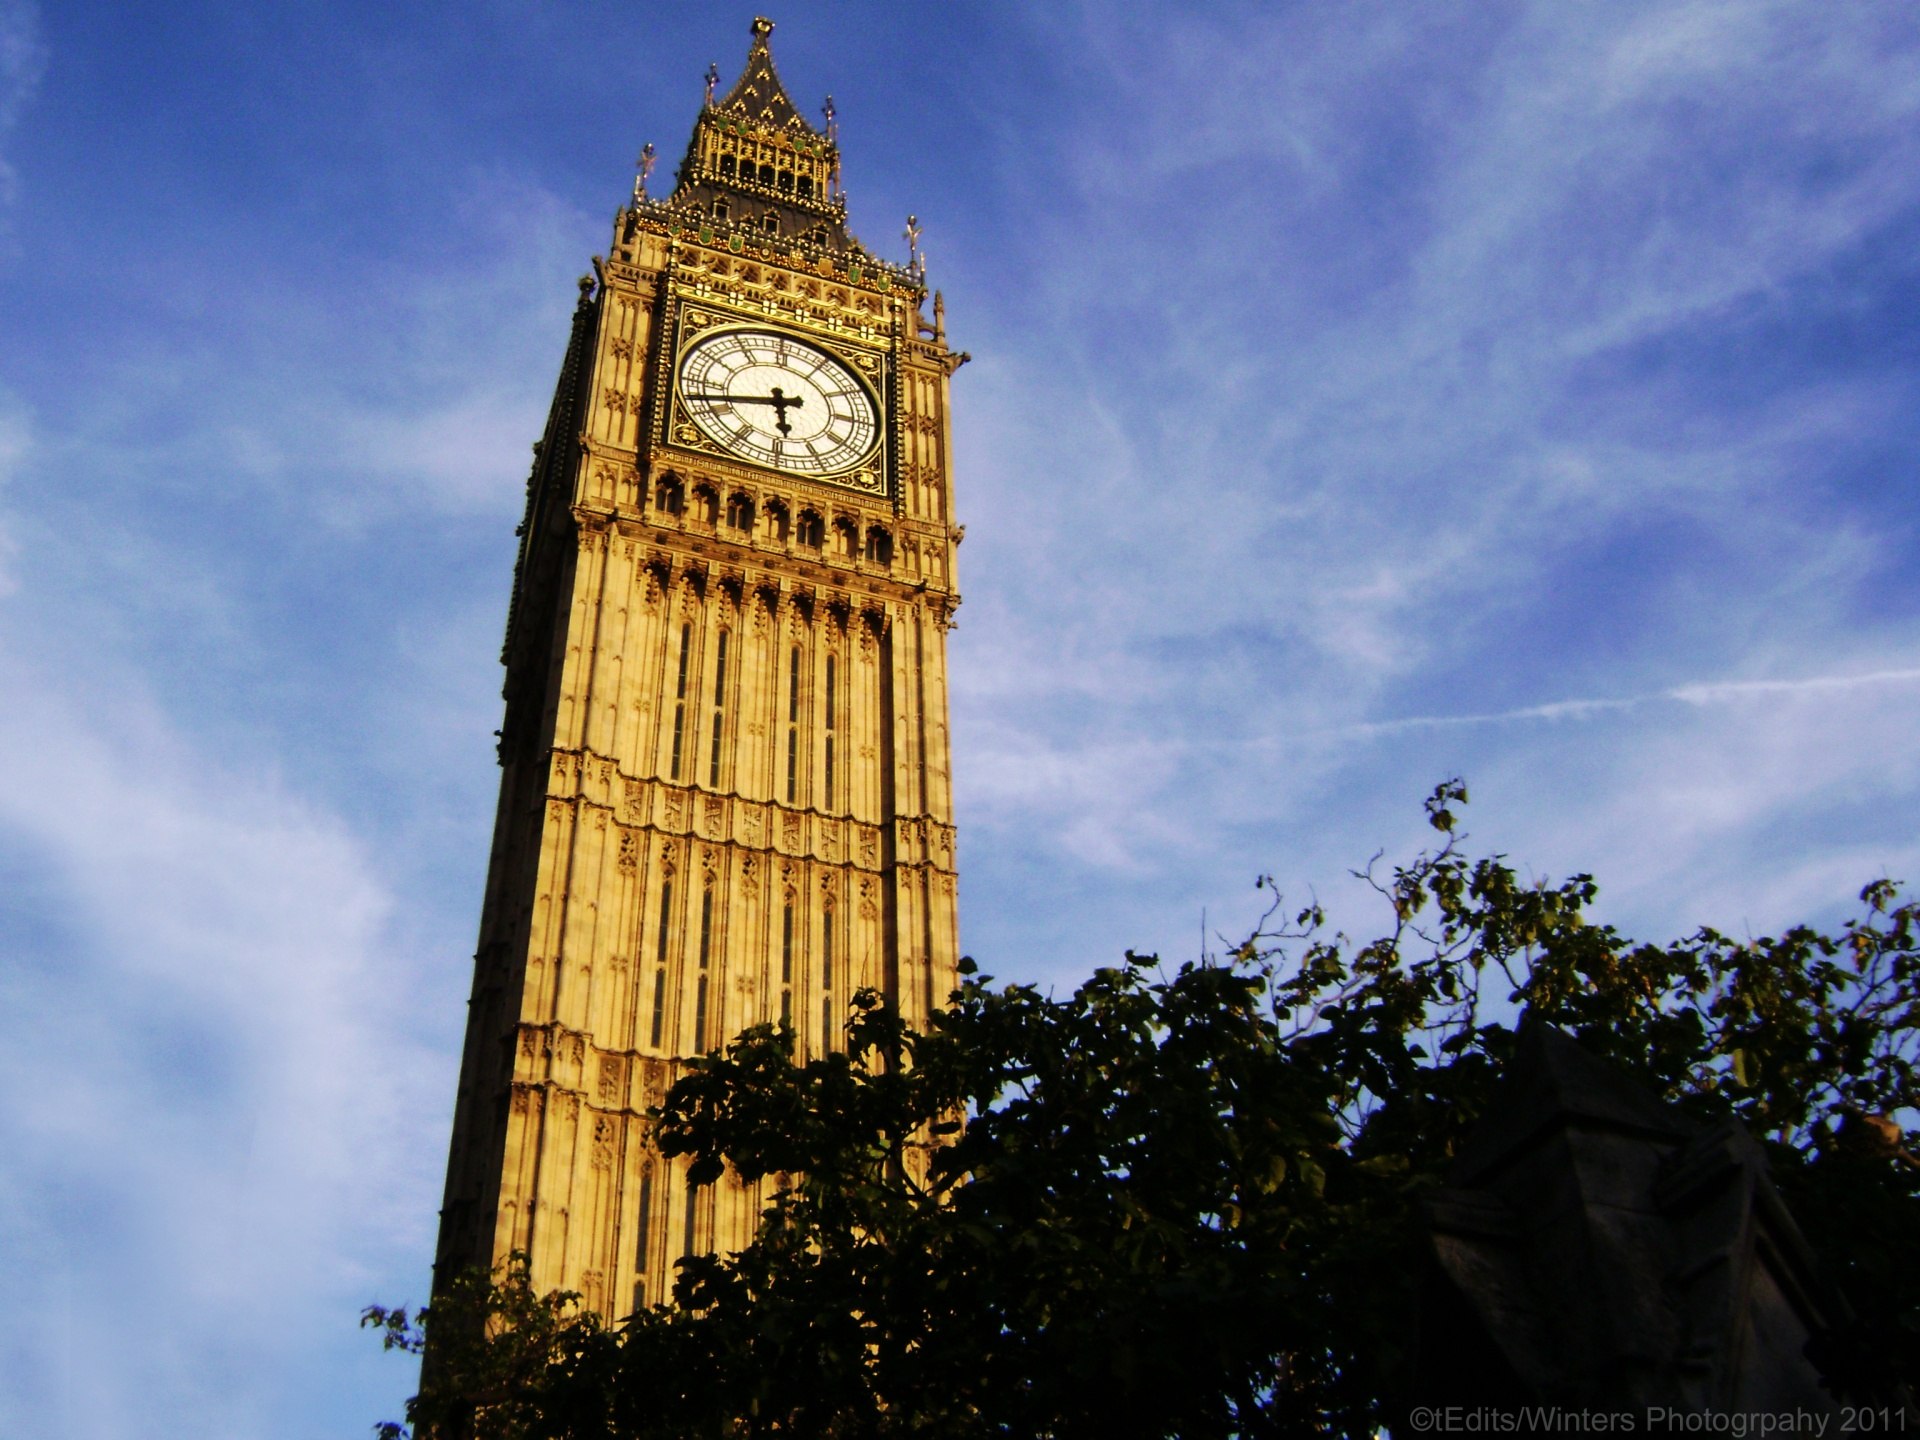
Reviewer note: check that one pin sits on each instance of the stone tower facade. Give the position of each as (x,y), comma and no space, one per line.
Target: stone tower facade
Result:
(725,794)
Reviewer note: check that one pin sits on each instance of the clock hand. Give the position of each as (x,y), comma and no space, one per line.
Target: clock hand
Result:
(781,402)
(778,400)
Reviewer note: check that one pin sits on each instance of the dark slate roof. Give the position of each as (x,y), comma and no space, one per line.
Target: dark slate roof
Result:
(758,94)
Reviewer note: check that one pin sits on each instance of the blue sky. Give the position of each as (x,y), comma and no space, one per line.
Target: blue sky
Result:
(1362,394)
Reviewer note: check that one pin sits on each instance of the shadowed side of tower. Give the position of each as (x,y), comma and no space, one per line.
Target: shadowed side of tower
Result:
(725,795)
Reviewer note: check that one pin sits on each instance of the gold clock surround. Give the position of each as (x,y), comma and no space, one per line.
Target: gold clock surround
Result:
(697,323)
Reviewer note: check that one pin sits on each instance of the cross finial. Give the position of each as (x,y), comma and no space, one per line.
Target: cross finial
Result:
(713,80)
(833,125)
(645,166)
(915,260)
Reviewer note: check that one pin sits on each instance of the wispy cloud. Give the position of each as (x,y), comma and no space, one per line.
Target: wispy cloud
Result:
(208,967)
(1709,693)
(1445,357)
(23,61)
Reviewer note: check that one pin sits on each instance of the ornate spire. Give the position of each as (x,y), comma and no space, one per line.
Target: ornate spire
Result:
(758,175)
(758,95)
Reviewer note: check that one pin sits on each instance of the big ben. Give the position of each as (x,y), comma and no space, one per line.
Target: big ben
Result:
(725,795)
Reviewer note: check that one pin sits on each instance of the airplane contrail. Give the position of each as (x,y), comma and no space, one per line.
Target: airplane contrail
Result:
(1707,693)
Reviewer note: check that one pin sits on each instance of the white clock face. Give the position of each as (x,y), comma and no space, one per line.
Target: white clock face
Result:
(774,400)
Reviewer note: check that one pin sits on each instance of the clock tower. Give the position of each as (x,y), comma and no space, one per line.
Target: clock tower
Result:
(725,796)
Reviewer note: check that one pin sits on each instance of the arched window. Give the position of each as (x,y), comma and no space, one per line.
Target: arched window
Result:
(786,180)
(793,723)
(706,505)
(643,1227)
(721,210)
(827,1036)
(739,513)
(827,799)
(660,961)
(668,496)
(813,530)
(766,175)
(719,708)
(771,224)
(773,522)
(806,187)
(786,963)
(726,167)
(700,990)
(680,702)
(846,539)
(879,546)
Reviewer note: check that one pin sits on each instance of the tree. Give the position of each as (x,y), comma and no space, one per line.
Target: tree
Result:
(1189,1203)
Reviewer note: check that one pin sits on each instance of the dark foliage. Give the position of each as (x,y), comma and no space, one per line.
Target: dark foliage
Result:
(1189,1204)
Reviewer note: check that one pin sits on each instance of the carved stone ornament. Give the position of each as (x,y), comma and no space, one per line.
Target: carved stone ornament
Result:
(602,1144)
(613,1078)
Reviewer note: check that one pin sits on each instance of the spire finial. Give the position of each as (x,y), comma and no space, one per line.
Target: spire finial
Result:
(713,79)
(829,114)
(911,235)
(762,27)
(645,166)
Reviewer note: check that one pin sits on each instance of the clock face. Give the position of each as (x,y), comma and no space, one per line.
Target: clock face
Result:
(774,400)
